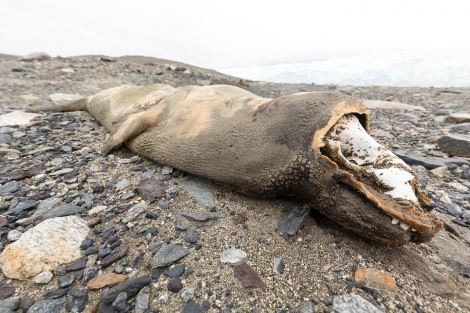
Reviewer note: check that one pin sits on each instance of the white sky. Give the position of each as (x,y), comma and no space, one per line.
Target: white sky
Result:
(221,34)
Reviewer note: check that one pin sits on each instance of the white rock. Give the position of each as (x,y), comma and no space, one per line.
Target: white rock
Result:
(233,256)
(43,278)
(16,118)
(439,171)
(14,235)
(54,242)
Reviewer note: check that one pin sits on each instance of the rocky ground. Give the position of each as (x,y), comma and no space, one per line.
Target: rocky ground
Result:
(82,231)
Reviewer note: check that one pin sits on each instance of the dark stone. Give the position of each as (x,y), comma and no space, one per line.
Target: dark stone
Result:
(117,254)
(186,220)
(10,305)
(20,174)
(104,251)
(54,294)
(176,271)
(165,204)
(455,144)
(9,187)
(97,188)
(131,287)
(168,254)
(156,275)
(192,307)
(120,303)
(89,274)
(76,265)
(78,302)
(413,159)
(47,306)
(86,243)
(91,250)
(152,215)
(22,206)
(191,236)
(151,189)
(27,304)
(65,281)
(175,285)
(247,276)
(293,217)
(171,193)
(108,233)
(6,291)
(63,210)
(206,305)
(78,275)
(136,260)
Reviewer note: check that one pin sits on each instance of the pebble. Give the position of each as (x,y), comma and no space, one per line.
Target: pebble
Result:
(200,189)
(134,212)
(14,235)
(117,254)
(247,276)
(191,236)
(168,254)
(453,209)
(78,301)
(131,287)
(187,294)
(352,304)
(9,187)
(6,290)
(192,307)
(65,281)
(10,305)
(304,308)
(186,220)
(175,285)
(455,144)
(43,278)
(233,256)
(48,305)
(176,271)
(142,300)
(375,280)
(293,217)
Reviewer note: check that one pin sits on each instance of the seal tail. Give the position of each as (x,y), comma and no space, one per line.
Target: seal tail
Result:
(76,105)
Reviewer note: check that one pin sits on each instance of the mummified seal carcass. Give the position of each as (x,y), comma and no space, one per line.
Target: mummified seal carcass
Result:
(314,146)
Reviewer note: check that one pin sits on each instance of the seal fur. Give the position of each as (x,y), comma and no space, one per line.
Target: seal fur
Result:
(260,146)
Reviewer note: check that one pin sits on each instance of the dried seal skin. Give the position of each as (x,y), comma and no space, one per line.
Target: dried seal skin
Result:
(265,147)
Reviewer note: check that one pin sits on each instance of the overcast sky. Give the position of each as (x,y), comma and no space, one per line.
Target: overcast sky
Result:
(221,34)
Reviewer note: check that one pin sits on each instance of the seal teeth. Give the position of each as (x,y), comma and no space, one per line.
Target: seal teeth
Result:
(395,221)
(413,229)
(404,226)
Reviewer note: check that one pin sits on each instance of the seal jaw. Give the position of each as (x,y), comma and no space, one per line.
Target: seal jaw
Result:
(382,179)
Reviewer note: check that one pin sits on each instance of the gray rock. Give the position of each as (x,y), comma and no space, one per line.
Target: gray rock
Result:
(142,300)
(176,271)
(62,172)
(47,306)
(9,187)
(454,209)
(63,210)
(120,303)
(187,294)
(192,307)
(43,207)
(131,287)
(185,220)
(455,144)
(10,304)
(463,127)
(14,235)
(65,281)
(279,265)
(429,163)
(134,212)
(168,254)
(293,217)
(36,56)
(306,307)
(5,138)
(43,278)
(353,304)
(191,236)
(22,206)
(233,256)
(167,170)
(200,189)
(78,302)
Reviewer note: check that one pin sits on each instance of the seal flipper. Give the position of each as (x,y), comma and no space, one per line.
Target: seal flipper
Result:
(133,126)
(76,105)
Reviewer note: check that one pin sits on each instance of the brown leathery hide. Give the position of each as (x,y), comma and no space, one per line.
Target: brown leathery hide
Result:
(263,147)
